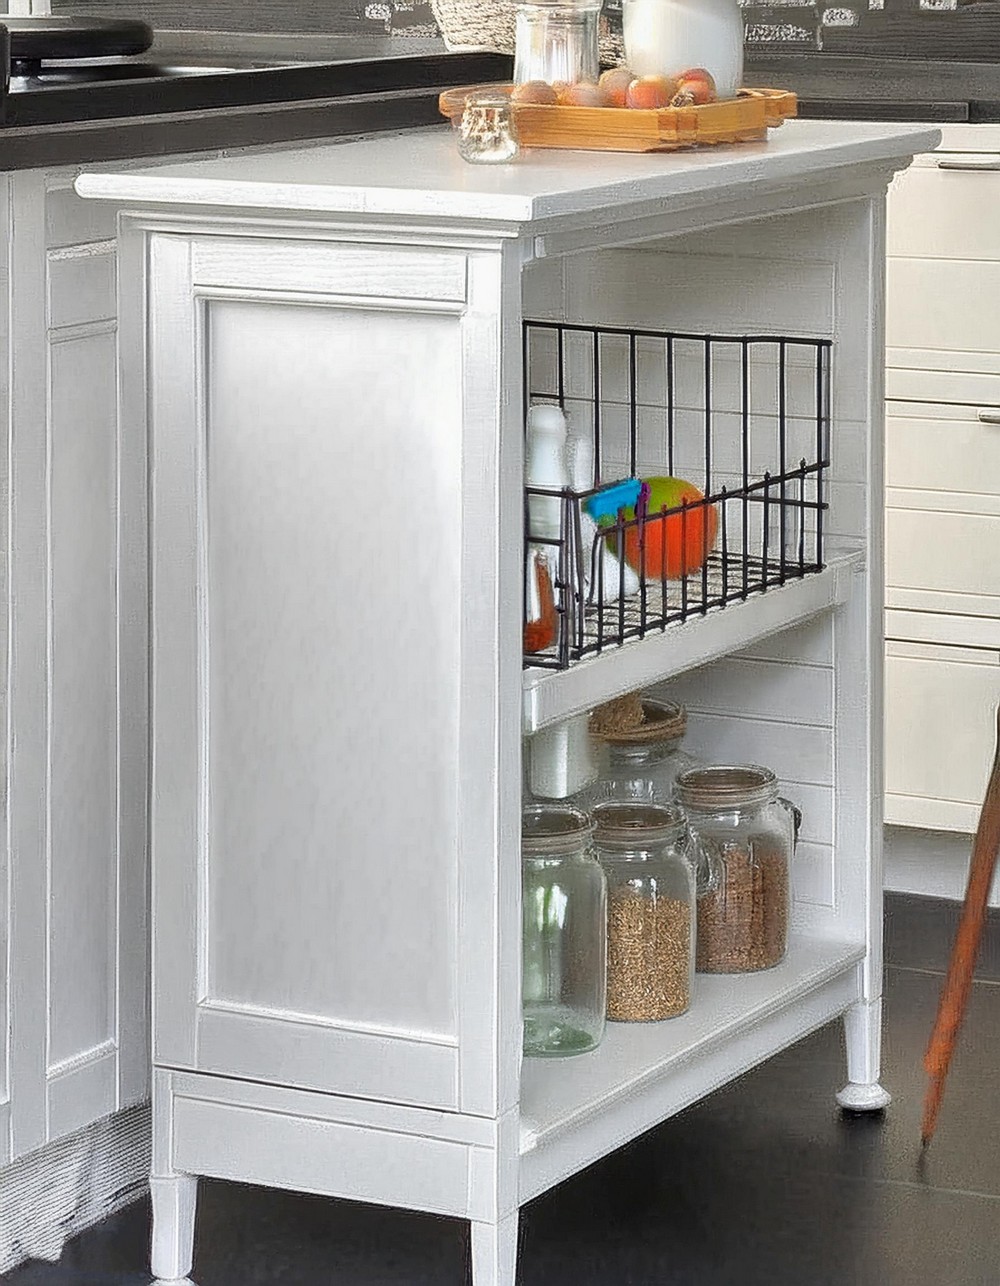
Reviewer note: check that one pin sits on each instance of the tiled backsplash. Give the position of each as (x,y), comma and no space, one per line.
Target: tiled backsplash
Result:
(792,22)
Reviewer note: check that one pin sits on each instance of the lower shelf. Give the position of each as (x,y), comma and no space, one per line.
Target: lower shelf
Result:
(574,1111)
(552,695)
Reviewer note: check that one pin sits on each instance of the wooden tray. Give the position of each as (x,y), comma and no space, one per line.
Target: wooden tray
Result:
(745,119)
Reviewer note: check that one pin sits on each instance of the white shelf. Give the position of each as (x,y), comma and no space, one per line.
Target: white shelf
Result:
(552,695)
(575,1110)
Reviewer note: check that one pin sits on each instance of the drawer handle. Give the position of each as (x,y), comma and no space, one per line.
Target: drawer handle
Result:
(989,417)
(968,163)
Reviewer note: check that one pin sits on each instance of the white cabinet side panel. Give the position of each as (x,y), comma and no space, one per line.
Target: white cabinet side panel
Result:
(332,717)
(83,865)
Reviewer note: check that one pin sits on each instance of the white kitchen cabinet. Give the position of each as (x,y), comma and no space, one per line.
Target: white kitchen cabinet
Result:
(333,393)
(943,493)
(75,748)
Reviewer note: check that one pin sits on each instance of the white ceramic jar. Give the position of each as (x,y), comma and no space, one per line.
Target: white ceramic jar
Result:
(665,37)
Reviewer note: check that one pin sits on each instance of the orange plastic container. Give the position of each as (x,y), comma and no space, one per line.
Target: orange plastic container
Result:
(745,119)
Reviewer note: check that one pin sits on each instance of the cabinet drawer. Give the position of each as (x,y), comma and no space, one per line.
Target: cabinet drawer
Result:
(947,307)
(951,450)
(952,559)
(939,726)
(947,208)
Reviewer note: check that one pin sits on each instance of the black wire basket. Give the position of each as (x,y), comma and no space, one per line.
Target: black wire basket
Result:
(697,466)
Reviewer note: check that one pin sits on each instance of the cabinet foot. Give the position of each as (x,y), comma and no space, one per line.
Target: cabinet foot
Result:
(174,1200)
(864,1098)
(863,1037)
(494,1252)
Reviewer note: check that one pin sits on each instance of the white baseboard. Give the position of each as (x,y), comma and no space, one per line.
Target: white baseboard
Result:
(62,1189)
(929,863)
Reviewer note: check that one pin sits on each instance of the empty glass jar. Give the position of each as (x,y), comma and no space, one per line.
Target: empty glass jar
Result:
(744,837)
(651,910)
(556,40)
(643,763)
(564,928)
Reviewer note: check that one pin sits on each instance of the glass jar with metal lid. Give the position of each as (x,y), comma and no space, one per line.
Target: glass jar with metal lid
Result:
(744,837)
(564,933)
(643,762)
(651,910)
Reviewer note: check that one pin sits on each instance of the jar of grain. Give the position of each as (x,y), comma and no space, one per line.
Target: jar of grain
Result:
(643,762)
(651,910)
(564,930)
(744,836)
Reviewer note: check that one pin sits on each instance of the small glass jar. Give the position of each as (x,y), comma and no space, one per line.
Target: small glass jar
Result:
(643,763)
(487,133)
(564,933)
(744,838)
(556,41)
(651,910)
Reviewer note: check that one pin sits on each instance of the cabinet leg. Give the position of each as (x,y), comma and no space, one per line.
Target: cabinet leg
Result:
(174,1201)
(494,1252)
(863,1034)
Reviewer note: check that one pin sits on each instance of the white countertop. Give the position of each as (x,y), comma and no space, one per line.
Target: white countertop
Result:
(420,174)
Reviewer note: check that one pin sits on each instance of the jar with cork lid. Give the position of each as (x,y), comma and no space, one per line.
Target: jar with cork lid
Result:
(744,837)
(643,760)
(651,910)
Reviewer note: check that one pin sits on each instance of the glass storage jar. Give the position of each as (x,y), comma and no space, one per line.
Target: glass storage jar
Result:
(643,763)
(564,928)
(651,910)
(743,837)
(556,41)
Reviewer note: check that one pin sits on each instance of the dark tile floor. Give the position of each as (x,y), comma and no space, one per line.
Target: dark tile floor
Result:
(763,1184)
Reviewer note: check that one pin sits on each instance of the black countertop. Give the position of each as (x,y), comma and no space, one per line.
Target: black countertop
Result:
(237,91)
(869,87)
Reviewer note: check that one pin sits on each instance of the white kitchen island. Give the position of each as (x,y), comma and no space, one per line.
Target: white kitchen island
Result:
(331,351)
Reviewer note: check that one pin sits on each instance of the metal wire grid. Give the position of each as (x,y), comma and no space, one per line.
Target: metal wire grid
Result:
(770,520)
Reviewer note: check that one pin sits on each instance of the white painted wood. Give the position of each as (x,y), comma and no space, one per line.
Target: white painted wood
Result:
(71,221)
(81,284)
(83,717)
(6,848)
(419,173)
(28,667)
(929,688)
(174,1199)
(494,1252)
(320,835)
(964,317)
(863,1035)
(659,1089)
(908,378)
(236,477)
(942,554)
(555,695)
(82,1089)
(946,450)
(947,213)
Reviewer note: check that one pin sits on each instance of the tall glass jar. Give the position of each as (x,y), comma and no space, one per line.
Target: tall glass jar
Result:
(556,41)
(744,837)
(643,763)
(564,930)
(651,910)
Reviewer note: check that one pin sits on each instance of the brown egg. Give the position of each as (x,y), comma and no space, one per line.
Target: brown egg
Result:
(694,87)
(534,91)
(615,82)
(584,94)
(651,92)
